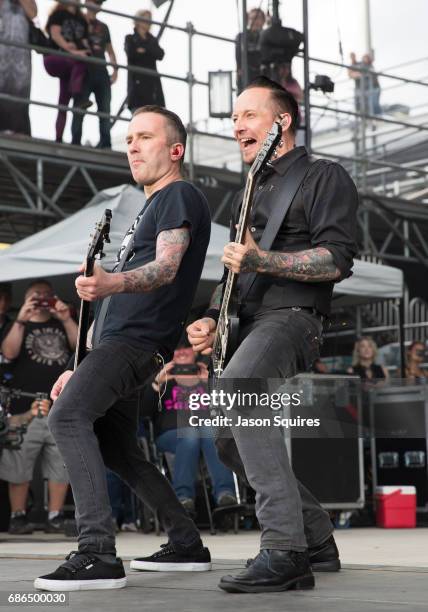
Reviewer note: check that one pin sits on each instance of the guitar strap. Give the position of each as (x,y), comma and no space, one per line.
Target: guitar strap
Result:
(294,178)
(99,323)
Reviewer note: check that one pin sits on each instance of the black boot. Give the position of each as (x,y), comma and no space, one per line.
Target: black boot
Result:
(325,557)
(272,570)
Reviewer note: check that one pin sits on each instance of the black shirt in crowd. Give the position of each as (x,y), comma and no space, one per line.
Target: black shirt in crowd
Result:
(322,214)
(74,28)
(44,353)
(143,88)
(155,319)
(98,38)
(172,410)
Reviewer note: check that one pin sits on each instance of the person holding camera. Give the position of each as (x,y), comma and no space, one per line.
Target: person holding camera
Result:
(173,386)
(39,344)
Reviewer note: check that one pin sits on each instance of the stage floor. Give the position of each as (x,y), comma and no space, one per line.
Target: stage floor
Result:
(384,570)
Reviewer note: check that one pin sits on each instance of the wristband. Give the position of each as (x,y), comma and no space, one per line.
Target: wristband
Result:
(20,322)
(212,313)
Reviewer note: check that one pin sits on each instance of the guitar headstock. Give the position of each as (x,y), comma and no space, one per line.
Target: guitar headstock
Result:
(99,237)
(267,149)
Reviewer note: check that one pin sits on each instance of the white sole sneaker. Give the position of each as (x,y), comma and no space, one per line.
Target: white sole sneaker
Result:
(152,566)
(79,585)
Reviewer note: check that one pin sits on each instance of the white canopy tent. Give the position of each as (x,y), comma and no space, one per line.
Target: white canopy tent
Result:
(58,251)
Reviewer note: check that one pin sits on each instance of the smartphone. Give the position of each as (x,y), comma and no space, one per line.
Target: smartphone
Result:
(185,369)
(45,302)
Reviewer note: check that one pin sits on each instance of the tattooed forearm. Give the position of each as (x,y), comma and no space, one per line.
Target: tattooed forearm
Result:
(216,297)
(312,265)
(170,248)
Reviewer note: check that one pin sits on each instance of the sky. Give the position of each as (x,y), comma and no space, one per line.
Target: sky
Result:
(398,35)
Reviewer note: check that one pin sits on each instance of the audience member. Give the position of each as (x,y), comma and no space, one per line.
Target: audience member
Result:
(175,388)
(68,31)
(39,343)
(364,361)
(143,50)
(416,356)
(255,22)
(5,301)
(122,508)
(97,81)
(367,89)
(15,64)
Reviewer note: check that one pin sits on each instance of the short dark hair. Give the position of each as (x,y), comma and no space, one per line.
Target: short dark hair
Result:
(282,99)
(39,281)
(173,121)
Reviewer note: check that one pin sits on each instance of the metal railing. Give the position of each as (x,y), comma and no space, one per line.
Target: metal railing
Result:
(360,159)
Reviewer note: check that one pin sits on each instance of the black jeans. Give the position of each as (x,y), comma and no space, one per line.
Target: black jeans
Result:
(276,345)
(95,425)
(97,82)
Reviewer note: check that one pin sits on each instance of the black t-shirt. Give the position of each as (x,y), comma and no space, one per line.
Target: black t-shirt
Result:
(154,320)
(44,353)
(74,28)
(174,411)
(99,38)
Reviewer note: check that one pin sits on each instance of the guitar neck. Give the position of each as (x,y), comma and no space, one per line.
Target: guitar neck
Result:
(231,279)
(82,331)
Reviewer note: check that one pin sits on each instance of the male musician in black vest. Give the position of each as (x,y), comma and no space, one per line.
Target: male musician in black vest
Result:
(94,415)
(280,328)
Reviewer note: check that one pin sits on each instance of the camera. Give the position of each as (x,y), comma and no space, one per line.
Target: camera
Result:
(47,302)
(185,369)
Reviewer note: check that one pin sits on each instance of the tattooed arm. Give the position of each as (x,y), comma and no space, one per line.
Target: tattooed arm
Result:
(311,265)
(170,248)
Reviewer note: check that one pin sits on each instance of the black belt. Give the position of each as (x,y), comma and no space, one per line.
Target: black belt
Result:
(311,310)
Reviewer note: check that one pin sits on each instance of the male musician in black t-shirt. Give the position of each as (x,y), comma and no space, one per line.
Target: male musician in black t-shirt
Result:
(93,424)
(280,328)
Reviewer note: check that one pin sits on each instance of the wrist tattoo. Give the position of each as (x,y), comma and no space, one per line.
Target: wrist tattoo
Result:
(170,248)
(312,265)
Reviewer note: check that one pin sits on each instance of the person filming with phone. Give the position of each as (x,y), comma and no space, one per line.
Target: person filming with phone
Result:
(169,396)
(38,344)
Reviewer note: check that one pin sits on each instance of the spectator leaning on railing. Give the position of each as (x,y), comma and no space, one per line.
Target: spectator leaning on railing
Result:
(98,81)
(143,50)
(15,63)
(68,31)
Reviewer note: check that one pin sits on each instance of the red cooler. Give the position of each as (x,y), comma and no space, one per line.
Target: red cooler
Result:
(396,507)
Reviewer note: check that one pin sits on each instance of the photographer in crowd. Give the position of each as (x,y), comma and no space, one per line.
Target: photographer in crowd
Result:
(39,344)
(169,396)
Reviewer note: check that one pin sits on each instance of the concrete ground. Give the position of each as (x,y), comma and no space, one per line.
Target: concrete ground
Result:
(383,570)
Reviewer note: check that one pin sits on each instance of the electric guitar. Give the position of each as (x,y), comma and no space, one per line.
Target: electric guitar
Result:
(226,337)
(95,250)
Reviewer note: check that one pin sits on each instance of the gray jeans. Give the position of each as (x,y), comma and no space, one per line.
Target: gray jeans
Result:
(94,426)
(278,344)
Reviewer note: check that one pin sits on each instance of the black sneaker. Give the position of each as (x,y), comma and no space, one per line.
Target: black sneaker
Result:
(19,525)
(55,525)
(168,560)
(83,572)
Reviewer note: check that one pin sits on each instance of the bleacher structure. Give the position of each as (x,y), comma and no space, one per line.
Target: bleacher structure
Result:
(42,182)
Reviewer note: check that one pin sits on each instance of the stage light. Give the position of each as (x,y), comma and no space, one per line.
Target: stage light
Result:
(220,94)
